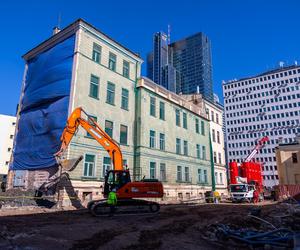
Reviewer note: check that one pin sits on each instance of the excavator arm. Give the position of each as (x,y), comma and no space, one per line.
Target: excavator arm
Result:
(75,120)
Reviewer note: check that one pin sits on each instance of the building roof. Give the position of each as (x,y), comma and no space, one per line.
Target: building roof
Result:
(71,29)
(273,71)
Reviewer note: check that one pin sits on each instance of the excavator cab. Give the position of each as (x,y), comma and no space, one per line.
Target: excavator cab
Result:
(115,179)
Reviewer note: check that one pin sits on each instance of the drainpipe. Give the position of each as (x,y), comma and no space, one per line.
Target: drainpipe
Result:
(212,165)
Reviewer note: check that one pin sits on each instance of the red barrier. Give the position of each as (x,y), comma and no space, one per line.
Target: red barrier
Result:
(234,172)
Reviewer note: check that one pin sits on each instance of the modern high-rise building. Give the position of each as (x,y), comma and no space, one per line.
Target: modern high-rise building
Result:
(184,66)
(192,58)
(158,68)
(267,104)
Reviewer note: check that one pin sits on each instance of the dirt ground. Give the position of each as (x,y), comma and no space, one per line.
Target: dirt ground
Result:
(175,227)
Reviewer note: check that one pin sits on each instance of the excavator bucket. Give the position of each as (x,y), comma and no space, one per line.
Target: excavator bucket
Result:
(69,164)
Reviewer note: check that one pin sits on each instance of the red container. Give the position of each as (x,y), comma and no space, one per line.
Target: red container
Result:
(234,172)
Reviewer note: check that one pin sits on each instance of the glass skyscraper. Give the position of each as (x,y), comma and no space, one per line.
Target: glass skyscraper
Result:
(184,66)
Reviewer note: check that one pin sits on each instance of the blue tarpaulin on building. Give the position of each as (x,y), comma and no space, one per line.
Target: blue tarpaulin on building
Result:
(44,107)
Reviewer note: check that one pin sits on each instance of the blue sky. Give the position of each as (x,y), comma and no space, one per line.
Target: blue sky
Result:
(248,36)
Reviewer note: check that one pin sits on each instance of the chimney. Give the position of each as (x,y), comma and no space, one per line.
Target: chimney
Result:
(55,30)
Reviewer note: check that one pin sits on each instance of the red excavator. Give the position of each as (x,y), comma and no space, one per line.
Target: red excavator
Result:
(118,178)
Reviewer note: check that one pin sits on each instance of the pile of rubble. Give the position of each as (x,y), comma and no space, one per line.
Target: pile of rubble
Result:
(277,227)
(22,198)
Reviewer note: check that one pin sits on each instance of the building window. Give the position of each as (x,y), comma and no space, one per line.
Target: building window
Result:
(179,173)
(185,148)
(294,158)
(125,97)
(217,118)
(126,69)
(152,170)
(203,153)
(95,120)
(216,178)
(215,157)
(6,163)
(109,128)
(163,176)
(187,174)
(152,106)
(178,146)
(162,141)
(198,149)
(202,128)
(220,158)
(96,53)
(110,95)
(218,137)
(177,113)
(94,86)
(197,125)
(9,149)
(11,136)
(106,165)
(89,165)
(152,139)
(200,178)
(221,178)
(205,176)
(184,124)
(123,134)
(212,116)
(213,135)
(112,61)
(162,110)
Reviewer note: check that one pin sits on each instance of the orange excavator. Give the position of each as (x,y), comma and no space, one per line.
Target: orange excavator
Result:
(117,178)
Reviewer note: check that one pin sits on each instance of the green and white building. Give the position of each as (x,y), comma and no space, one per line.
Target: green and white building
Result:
(161,134)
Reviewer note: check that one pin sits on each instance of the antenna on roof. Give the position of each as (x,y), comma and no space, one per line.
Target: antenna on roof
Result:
(281,63)
(169,33)
(59,20)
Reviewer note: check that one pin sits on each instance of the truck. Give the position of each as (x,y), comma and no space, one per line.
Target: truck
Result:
(246,178)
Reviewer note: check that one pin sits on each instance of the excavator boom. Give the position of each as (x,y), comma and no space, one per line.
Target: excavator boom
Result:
(75,120)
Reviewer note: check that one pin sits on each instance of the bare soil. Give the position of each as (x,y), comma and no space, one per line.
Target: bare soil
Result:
(175,227)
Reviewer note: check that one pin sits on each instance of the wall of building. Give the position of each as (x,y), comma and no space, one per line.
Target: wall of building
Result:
(263,105)
(288,162)
(148,154)
(215,114)
(99,108)
(7,132)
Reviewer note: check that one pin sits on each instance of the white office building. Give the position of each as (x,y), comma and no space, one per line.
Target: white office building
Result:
(7,131)
(264,105)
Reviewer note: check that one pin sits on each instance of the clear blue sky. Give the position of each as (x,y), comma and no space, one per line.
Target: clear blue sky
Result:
(248,36)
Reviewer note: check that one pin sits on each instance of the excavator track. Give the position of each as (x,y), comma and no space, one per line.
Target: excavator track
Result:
(124,206)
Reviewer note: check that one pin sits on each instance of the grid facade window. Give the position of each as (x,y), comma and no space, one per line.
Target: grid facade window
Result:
(152,139)
(178,146)
(110,94)
(94,86)
(152,106)
(125,99)
(96,57)
(123,134)
(112,61)
(126,69)
(162,110)
(109,125)
(152,170)
(89,165)
(162,143)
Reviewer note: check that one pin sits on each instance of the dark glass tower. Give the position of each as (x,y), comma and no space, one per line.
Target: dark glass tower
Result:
(192,58)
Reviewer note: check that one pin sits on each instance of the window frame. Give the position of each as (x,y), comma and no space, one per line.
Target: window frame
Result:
(110,93)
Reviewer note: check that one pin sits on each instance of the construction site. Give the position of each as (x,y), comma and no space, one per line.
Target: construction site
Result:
(99,156)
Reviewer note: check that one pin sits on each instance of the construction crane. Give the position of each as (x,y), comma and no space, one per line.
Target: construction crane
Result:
(118,178)
(260,144)
(247,177)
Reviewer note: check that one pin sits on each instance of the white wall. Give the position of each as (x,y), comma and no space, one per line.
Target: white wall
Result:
(7,131)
